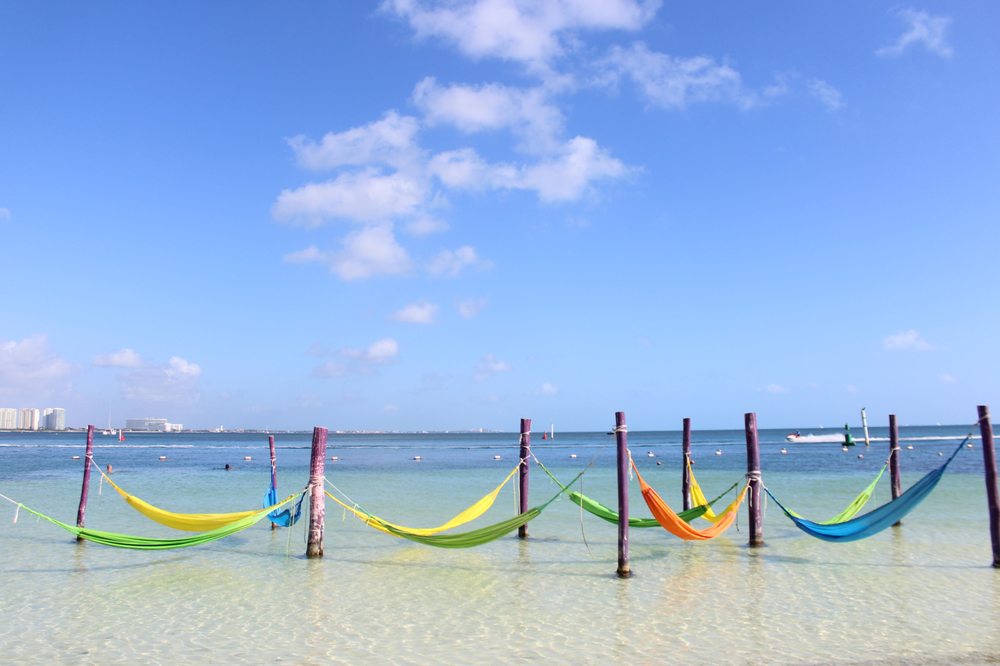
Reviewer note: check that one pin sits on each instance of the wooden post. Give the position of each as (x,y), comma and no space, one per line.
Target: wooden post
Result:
(621,437)
(317,503)
(87,459)
(522,478)
(895,483)
(753,475)
(274,468)
(990,465)
(686,471)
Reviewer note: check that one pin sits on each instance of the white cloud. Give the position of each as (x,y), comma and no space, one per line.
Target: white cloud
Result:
(123,358)
(921,29)
(360,361)
(449,263)
(4,214)
(172,383)
(471,307)
(389,141)
(548,389)
(906,341)
(366,196)
(368,252)
(948,379)
(420,312)
(382,351)
(308,255)
(775,389)
(490,365)
(828,96)
(673,82)
(425,226)
(528,32)
(527,113)
(30,364)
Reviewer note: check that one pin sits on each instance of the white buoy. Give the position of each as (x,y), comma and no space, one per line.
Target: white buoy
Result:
(76,457)
(940,454)
(247,457)
(784,451)
(650,454)
(909,447)
(417,458)
(334,458)
(861,456)
(718,452)
(969,445)
(844,449)
(572,455)
(496,457)
(163,457)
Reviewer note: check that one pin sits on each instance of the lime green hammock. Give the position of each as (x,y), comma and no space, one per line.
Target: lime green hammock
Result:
(148,543)
(470,539)
(855,506)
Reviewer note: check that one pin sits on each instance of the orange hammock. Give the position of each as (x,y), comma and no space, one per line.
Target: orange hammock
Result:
(674,524)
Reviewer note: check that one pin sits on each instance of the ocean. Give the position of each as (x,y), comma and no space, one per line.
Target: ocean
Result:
(923,592)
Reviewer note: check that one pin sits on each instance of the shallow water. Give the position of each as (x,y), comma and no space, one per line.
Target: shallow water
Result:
(920,593)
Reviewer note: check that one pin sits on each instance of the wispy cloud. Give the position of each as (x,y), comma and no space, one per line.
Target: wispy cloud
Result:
(548,389)
(4,214)
(828,96)
(175,382)
(775,389)
(420,312)
(471,307)
(30,364)
(449,263)
(488,366)
(123,358)
(390,141)
(364,253)
(922,29)
(948,379)
(909,340)
(353,360)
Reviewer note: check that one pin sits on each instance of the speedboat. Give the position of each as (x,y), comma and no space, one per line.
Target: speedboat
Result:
(792,436)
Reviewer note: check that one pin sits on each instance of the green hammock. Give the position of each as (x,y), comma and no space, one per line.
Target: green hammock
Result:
(855,506)
(478,537)
(610,515)
(149,543)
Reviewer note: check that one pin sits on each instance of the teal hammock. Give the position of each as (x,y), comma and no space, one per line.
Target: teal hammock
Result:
(877,519)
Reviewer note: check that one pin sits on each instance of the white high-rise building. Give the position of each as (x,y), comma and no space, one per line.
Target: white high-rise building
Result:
(55,418)
(30,417)
(153,425)
(8,418)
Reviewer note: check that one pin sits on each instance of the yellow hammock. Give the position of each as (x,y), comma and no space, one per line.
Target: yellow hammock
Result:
(698,497)
(189,522)
(468,515)
(674,524)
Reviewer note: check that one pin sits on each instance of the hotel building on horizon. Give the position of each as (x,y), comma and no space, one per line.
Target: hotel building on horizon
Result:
(152,425)
(32,418)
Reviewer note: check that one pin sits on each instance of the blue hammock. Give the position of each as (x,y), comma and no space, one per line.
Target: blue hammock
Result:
(875,520)
(285,517)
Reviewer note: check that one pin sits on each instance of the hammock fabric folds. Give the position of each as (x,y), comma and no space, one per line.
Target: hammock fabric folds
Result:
(855,506)
(148,543)
(607,513)
(285,517)
(877,519)
(674,524)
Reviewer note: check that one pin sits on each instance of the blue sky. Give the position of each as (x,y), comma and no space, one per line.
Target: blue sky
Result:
(432,215)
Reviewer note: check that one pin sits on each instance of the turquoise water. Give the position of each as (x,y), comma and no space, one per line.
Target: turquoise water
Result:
(920,593)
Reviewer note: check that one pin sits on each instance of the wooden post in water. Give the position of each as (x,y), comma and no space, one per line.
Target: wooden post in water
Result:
(87,459)
(895,483)
(990,465)
(317,500)
(522,478)
(621,438)
(753,476)
(274,469)
(686,471)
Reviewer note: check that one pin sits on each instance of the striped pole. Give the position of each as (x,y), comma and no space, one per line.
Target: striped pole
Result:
(990,465)
(522,478)
(317,503)
(621,438)
(686,470)
(84,491)
(753,475)
(274,468)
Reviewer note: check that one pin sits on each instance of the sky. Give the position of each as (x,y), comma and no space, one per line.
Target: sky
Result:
(452,214)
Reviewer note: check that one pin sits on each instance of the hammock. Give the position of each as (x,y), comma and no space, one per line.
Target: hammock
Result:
(469,539)
(855,506)
(189,522)
(674,524)
(285,517)
(877,519)
(477,509)
(149,543)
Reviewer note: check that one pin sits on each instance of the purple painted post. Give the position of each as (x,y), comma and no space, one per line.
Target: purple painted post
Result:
(753,475)
(621,437)
(895,482)
(87,459)
(686,472)
(990,465)
(274,468)
(522,478)
(317,503)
